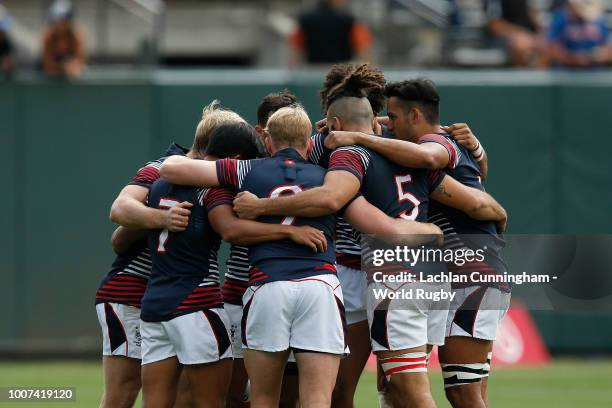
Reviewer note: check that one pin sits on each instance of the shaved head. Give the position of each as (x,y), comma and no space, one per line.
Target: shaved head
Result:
(353,112)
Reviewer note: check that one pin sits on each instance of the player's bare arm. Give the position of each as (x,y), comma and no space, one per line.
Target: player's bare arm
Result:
(475,203)
(404,153)
(245,232)
(368,219)
(189,172)
(123,238)
(129,210)
(338,188)
(463,135)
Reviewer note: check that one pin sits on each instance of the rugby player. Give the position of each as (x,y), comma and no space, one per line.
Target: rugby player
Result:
(476,310)
(310,322)
(343,181)
(348,245)
(182,320)
(119,295)
(237,280)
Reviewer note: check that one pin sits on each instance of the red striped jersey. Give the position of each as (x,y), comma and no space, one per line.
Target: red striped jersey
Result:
(237,277)
(185,273)
(348,241)
(399,192)
(127,279)
(284,173)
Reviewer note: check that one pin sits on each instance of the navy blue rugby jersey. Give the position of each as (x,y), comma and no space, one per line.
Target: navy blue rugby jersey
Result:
(127,279)
(348,241)
(185,273)
(399,192)
(284,173)
(459,229)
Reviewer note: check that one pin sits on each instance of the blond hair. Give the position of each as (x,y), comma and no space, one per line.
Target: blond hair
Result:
(213,115)
(289,127)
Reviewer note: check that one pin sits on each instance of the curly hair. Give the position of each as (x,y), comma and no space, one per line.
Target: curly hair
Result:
(361,81)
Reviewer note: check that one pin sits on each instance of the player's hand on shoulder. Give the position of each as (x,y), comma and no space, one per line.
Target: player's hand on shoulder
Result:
(310,237)
(321,126)
(339,138)
(463,135)
(177,217)
(383,120)
(246,205)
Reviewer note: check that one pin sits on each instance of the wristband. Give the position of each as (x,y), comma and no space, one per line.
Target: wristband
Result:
(478,153)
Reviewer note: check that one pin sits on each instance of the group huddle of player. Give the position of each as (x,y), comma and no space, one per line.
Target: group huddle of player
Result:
(295,319)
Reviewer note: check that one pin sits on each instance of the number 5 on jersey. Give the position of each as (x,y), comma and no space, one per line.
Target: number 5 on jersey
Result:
(403,196)
(165,203)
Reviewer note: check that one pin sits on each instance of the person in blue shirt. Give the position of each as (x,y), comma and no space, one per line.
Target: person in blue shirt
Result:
(578,35)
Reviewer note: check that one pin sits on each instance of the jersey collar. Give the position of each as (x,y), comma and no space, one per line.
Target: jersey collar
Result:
(176,148)
(289,153)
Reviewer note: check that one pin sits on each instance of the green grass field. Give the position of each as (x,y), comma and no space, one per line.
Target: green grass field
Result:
(564,384)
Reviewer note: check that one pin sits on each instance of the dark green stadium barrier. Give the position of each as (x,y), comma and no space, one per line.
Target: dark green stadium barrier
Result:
(71,147)
(10,226)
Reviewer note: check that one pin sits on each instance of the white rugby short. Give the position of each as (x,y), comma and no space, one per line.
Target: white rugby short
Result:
(196,338)
(120,329)
(399,324)
(477,311)
(354,285)
(303,314)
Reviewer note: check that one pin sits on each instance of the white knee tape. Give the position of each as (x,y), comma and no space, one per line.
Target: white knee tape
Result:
(462,374)
(487,367)
(404,363)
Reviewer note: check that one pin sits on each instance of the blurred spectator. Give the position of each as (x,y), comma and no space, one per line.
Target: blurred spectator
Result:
(329,34)
(578,35)
(7,62)
(515,23)
(63,48)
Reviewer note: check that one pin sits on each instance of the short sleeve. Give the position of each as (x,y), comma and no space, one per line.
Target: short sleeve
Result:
(217,196)
(231,172)
(434,179)
(147,175)
(556,28)
(451,148)
(353,159)
(318,149)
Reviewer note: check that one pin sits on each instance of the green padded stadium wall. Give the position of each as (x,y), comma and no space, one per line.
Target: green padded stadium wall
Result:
(72,146)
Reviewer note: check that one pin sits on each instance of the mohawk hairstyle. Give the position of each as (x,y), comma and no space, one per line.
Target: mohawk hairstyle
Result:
(360,81)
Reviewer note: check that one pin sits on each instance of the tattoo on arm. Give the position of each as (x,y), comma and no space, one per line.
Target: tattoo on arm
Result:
(442,190)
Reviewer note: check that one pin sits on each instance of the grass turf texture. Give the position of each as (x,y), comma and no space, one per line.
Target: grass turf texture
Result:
(565,383)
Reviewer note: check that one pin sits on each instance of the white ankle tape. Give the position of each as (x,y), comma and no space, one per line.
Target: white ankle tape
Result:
(404,363)
(461,374)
